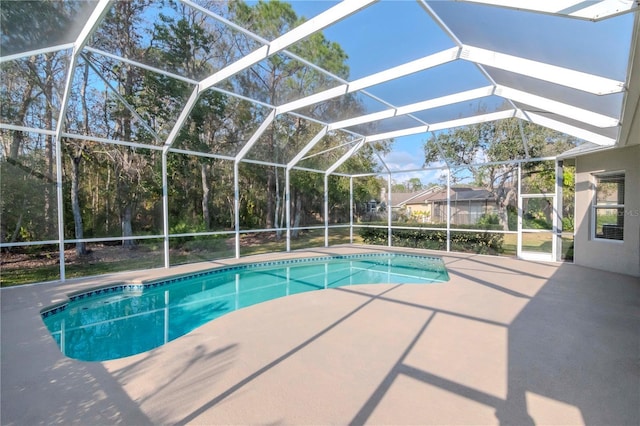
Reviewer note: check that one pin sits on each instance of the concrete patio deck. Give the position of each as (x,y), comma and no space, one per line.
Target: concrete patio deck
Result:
(503,342)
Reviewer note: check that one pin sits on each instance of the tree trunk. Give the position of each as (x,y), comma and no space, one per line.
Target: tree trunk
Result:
(127,230)
(16,230)
(107,204)
(503,216)
(296,216)
(76,159)
(206,195)
(232,212)
(48,122)
(81,248)
(270,200)
(502,202)
(277,206)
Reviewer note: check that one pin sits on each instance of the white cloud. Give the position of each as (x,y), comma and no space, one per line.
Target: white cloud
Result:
(404,160)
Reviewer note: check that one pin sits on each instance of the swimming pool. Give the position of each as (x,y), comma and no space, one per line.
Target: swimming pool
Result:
(127,319)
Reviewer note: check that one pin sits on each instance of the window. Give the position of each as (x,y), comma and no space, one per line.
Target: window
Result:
(608,207)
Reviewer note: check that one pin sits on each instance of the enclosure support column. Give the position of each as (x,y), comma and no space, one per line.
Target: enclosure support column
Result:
(287,206)
(90,25)
(389,216)
(165,209)
(58,148)
(326,210)
(60,206)
(448,209)
(236,206)
(558,207)
(330,170)
(351,210)
(236,170)
(519,237)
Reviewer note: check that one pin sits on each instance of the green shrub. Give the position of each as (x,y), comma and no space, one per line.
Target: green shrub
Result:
(567,224)
(531,222)
(375,236)
(487,221)
(184,228)
(512,217)
(464,241)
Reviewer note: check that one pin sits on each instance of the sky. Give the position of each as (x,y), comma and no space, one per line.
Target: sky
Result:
(393,32)
(371,48)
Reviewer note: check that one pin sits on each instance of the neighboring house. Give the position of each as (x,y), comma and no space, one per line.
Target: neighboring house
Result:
(411,204)
(430,206)
(467,205)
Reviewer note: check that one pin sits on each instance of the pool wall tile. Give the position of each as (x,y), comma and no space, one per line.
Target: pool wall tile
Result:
(159,283)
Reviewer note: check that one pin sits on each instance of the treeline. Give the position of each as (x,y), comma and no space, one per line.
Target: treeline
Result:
(119,116)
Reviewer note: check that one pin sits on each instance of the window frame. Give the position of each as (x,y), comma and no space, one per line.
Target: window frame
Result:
(595,206)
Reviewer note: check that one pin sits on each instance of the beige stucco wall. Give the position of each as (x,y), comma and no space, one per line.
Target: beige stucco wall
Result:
(616,256)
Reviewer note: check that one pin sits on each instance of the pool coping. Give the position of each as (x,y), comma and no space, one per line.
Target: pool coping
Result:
(243,360)
(136,287)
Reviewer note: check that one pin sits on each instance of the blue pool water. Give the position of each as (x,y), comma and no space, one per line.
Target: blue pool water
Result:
(123,320)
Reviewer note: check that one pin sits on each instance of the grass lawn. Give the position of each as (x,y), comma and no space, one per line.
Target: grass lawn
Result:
(538,243)
(43,266)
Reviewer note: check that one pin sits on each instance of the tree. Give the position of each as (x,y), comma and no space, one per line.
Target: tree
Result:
(29,97)
(119,34)
(185,43)
(493,142)
(414,184)
(279,79)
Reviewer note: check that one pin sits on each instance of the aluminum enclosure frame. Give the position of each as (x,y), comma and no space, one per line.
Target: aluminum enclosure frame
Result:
(580,121)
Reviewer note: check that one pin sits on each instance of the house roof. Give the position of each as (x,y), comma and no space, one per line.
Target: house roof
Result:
(462,194)
(399,199)
(439,194)
(585,148)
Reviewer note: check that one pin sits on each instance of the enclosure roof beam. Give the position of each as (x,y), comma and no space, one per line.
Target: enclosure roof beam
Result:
(415,107)
(92,23)
(476,119)
(126,104)
(554,74)
(326,18)
(383,162)
(140,65)
(7,126)
(569,111)
(201,154)
(265,41)
(36,52)
(307,148)
(442,125)
(405,69)
(184,114)
(319,22)
(111,141)
(254,138)
(566,128)
(89,27)
(579,9)
(398,133)
(333,148)
(345,157)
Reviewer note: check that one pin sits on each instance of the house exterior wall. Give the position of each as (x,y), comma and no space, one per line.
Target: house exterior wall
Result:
(466,212)
(420,212)
(610,255)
